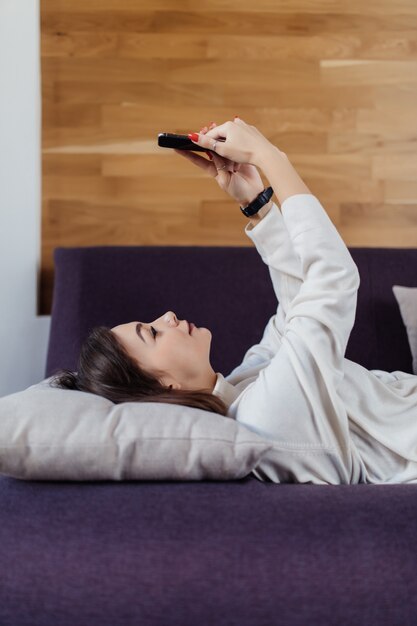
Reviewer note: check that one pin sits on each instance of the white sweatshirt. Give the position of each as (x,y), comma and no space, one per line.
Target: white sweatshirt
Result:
(332,421)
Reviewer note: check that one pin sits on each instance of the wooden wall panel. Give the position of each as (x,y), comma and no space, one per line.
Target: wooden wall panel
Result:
(333,84)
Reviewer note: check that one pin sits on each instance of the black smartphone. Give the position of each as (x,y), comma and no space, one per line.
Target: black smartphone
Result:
(181,142)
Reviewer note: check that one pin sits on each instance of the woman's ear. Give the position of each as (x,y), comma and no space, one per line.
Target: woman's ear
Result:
(174,386)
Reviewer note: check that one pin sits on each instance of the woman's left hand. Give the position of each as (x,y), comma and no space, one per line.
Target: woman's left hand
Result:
(241,181)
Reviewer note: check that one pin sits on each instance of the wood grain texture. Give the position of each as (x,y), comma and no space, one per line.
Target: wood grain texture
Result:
(333,84)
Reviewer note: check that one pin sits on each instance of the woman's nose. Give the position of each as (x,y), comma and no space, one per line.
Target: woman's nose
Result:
(170,317)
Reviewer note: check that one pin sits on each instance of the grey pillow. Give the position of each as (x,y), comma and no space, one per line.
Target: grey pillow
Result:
(407,301)
(50,433)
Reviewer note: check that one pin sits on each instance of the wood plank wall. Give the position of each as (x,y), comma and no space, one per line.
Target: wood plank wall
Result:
(333,84)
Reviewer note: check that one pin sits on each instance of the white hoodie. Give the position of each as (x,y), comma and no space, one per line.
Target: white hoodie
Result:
(332,421)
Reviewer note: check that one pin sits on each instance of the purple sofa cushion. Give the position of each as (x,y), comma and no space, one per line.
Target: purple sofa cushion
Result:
(242,553)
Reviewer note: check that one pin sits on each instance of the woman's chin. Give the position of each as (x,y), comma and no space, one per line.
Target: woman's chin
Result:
(198,328)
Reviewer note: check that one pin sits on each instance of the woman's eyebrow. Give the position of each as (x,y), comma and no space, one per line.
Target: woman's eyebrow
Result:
(138,326)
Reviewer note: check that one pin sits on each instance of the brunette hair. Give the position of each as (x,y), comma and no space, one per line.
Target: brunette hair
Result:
(106,369)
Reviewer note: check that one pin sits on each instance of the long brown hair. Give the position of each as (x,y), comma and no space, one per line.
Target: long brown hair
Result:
(106,369)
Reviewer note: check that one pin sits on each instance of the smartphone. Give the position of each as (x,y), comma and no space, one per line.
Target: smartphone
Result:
(181,142)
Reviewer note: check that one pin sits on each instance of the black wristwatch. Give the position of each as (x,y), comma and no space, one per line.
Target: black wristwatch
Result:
(260,201)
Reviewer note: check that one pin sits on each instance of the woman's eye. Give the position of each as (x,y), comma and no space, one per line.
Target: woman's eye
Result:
(154,331)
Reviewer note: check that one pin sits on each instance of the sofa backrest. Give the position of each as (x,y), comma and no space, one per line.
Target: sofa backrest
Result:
(226,289)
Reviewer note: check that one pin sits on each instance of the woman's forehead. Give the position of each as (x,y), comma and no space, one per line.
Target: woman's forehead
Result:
(126,326)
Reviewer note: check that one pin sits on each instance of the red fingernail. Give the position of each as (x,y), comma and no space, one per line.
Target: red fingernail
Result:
(193,136)
(210,156)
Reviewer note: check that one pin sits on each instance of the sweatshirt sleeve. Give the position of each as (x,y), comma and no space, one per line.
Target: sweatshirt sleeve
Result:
(274,245)
(294,396)
(286,274)
(328,296)
(298,243)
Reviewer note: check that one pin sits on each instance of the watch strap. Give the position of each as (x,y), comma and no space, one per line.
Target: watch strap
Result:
(261,199)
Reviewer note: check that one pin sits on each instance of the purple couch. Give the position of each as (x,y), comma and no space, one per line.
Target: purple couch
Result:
(209,553)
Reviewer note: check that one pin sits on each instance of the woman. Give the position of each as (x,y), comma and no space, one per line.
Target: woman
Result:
(332,421)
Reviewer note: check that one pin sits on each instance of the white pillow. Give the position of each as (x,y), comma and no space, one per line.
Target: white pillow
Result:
(49,433)
(407,301)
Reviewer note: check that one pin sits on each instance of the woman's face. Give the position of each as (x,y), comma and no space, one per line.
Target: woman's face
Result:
(167,349)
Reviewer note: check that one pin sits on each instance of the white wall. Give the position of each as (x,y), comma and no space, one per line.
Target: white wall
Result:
(23,334)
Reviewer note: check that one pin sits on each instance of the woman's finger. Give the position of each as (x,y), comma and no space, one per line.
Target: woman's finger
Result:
(238,141)
(205,164)
(222,164)
(235,166)
(214,168)
(218,134)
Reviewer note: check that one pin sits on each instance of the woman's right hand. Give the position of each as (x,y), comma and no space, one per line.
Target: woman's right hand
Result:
(237,141)
(241,181)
